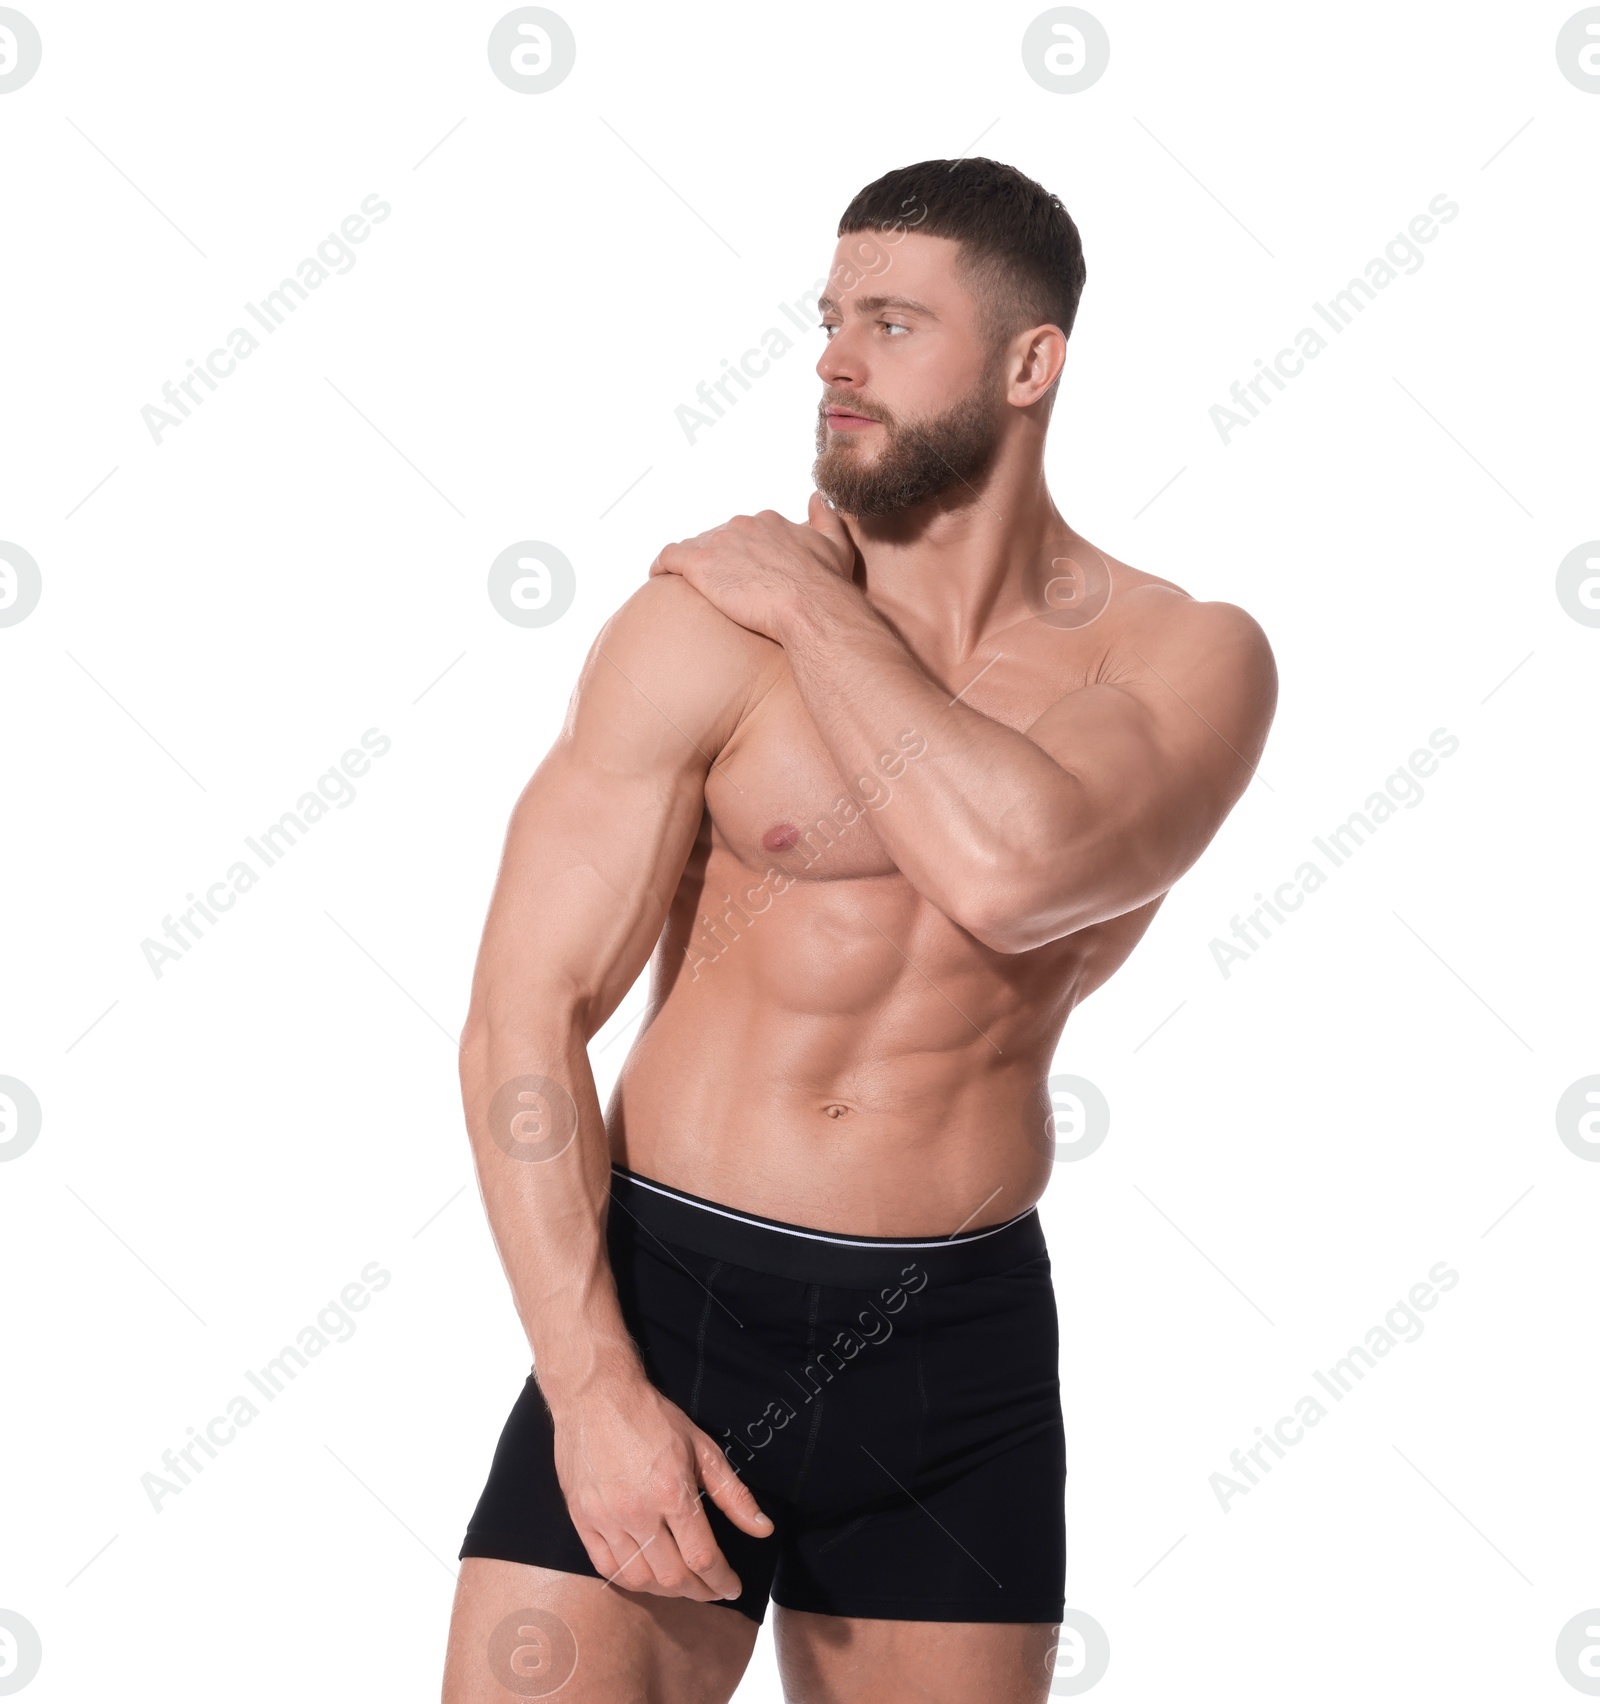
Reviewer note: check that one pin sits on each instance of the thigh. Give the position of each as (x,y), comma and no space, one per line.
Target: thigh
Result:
(838,1659)
(532,1632)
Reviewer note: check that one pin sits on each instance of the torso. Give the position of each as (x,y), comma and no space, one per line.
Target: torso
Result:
(821,1044)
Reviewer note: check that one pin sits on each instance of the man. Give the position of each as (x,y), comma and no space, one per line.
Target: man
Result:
(886,794)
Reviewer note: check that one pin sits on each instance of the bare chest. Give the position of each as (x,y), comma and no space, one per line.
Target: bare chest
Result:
(777,799)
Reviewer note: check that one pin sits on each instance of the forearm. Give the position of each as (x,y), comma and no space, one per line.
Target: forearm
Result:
(632,1467)
(977,819)
(543,1163)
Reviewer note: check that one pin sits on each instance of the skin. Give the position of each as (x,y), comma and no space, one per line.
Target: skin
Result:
(861,1041)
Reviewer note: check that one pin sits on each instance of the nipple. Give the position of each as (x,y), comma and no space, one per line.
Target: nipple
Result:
(780,837)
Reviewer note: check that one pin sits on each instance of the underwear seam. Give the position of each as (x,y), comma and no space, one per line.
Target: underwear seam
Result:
(839,1537)
(816,1418)
(919,1338)
(700,1345)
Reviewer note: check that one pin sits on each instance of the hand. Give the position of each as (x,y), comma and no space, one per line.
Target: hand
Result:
(757,569)
(634,1469)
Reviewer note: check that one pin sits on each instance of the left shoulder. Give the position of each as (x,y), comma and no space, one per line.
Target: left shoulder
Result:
(1158,621)
(1196,676)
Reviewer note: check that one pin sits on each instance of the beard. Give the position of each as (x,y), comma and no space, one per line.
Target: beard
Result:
(918,460)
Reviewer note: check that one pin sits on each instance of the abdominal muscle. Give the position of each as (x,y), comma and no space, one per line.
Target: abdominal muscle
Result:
(848,1059)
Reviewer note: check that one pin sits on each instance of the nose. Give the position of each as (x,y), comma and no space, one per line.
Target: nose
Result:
(841,365)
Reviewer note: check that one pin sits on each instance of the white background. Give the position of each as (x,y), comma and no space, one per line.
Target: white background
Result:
(225,1147)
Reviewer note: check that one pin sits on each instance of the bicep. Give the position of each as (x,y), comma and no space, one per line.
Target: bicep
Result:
(1156,760)
(590,858)
(602,831)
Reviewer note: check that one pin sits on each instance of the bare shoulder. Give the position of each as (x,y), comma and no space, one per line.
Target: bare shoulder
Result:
(668,654)
(1158,626)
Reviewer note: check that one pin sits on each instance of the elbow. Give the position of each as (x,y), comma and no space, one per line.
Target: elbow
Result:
(1004,921)
(479,1031)
(472,1057)
(505,1026)
(1017,894)
(1041,905)
(998,908)
(1021,927)
(474,1040)
(1009,933)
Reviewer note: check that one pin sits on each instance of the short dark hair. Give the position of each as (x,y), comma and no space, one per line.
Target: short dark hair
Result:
(1020,249)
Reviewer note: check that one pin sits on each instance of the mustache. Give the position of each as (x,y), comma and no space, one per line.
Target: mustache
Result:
(829,400)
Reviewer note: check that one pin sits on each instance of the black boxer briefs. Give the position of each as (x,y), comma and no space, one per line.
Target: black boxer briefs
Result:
(892,1403)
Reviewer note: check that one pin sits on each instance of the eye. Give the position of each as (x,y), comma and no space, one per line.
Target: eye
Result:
(893,325)
(827,330)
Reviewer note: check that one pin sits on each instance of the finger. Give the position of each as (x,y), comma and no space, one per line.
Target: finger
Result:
(727,1490)
(631,1567)
(697,1545)
(670,1575)
(600,1553)
(826,519)
(823,518)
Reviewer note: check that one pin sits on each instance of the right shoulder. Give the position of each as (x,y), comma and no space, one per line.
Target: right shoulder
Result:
(667,649)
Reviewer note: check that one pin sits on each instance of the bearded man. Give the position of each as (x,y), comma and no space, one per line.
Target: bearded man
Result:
(885,794)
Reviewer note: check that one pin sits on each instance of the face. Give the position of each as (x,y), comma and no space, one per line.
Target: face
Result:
(915,390)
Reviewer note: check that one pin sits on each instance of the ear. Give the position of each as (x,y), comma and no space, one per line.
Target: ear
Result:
(1040,354)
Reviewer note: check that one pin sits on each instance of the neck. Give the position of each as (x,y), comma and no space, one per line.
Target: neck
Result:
(954,569)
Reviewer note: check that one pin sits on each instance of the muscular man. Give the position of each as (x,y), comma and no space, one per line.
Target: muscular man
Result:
(886,794)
